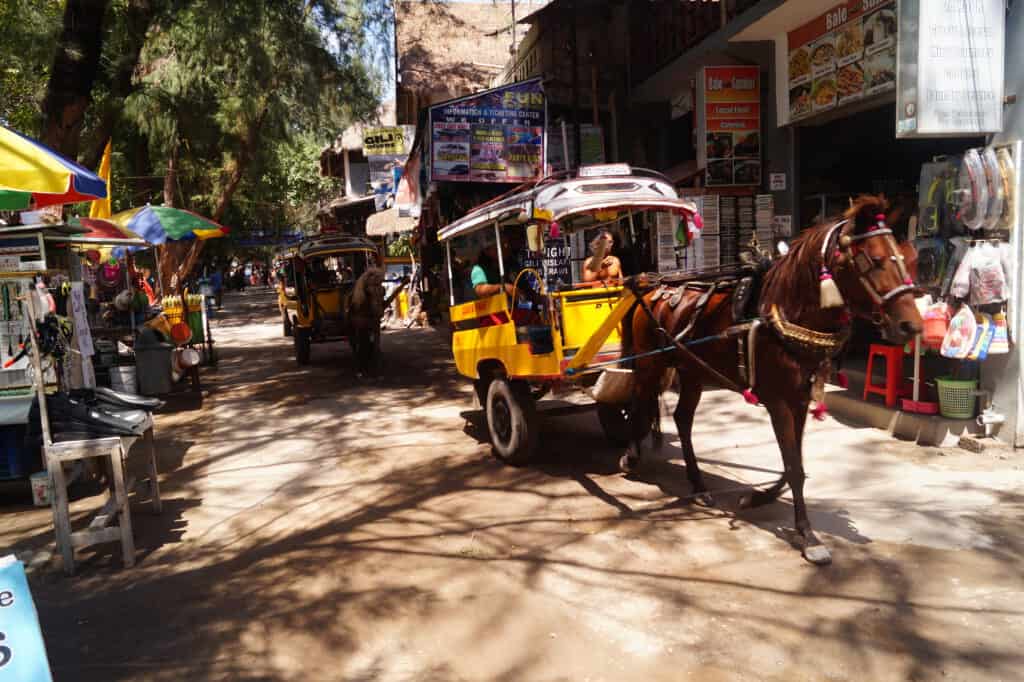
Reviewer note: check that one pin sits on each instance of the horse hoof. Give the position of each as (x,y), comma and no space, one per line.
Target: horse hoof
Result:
(705,499)
(628,464)
(818,555)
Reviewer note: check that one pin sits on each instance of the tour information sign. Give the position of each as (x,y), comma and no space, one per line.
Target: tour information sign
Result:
(951,57)
(492,136)
(846,54)
(731,125)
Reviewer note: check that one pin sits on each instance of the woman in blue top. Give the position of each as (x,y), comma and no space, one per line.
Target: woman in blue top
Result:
(485,277)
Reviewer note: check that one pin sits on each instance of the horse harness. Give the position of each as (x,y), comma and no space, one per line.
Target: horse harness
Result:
(801,342)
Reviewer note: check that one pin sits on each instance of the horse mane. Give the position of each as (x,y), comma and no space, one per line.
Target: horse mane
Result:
(792,283)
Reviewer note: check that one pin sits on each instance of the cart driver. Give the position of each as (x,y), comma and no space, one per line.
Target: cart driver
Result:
(603,266)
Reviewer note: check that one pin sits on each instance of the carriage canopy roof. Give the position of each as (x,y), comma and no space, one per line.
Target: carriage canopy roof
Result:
(594,191)
(319,246)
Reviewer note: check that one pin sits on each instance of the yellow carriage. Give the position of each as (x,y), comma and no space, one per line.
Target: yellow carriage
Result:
(327,271)
(539,332)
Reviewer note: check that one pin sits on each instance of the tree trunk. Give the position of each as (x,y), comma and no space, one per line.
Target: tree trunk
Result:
(171,254)
(184,255)
(139,17)
(75,66)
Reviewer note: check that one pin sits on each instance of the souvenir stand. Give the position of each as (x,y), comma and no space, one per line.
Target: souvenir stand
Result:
(64,247)
(59,451)
(23,258)
(113,307)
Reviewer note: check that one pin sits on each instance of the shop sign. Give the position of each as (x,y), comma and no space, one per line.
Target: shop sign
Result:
(846,54)
(384,140)
(951,61)
(777,182)
(386,156)
(554,262)
(730,98)
(493,136)
(22,651)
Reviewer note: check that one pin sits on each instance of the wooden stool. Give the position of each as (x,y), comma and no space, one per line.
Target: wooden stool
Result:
(116,507)
(893,386)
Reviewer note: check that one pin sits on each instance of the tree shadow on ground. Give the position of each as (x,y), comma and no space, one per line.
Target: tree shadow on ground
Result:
(359,535)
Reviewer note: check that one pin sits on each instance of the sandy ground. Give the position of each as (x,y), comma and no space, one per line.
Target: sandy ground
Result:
(319,527)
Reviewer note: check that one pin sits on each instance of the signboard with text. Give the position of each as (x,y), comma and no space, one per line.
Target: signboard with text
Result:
(730,129)
(846,54)
(22,651)
(951,62)
(492,136)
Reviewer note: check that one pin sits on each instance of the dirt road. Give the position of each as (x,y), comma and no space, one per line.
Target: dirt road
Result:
(321,528)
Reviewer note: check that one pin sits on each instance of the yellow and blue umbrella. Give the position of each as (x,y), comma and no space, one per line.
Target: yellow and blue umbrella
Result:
(160,224)
(31,172)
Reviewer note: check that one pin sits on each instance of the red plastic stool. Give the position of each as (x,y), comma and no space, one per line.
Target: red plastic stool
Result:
(893,386)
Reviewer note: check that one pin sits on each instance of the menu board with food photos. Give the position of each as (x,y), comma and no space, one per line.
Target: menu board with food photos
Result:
(846,54)
(731,125)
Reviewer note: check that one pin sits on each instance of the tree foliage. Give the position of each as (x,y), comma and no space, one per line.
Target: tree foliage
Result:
(218,106)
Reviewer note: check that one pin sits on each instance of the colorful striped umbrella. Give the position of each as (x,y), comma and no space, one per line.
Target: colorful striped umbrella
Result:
(30,171)
(159,224)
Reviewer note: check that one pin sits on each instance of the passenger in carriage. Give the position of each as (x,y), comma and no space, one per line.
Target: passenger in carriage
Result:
(603,266)
(485,277)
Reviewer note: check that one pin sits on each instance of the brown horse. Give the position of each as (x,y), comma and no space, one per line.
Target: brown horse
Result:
(775,357)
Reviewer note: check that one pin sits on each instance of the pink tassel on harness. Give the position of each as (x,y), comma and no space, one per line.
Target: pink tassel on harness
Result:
(751,397)
(819,412)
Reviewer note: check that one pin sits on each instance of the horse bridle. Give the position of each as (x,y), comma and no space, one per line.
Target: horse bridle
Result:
(864,264)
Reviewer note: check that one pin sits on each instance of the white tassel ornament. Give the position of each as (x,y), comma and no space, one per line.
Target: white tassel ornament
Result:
(830,296)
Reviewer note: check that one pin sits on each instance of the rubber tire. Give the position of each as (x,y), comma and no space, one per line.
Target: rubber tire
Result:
(303,345)
(286,323)
(615,423)
(511,403)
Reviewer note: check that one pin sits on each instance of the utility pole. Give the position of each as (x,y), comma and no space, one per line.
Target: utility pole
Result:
(575,83)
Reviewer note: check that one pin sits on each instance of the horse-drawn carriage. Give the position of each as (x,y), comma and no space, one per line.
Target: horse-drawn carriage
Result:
(284,281)
(768,330)
(517,347)
(339,296)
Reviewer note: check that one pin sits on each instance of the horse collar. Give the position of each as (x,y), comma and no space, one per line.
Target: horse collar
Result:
(807,341)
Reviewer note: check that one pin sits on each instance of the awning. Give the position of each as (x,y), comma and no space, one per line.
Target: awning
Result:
(389,222)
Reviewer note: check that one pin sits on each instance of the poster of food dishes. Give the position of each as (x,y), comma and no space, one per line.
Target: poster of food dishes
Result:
(731,99)
(491,136)
(844,55)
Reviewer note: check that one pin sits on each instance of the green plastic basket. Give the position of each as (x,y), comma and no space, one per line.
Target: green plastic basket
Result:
(957,397)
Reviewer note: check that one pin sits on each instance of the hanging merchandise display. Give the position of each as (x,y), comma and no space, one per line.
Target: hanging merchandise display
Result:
(1007,178)
(972,191)
(960,336)
(1001,336)
(935,198)
(994,211)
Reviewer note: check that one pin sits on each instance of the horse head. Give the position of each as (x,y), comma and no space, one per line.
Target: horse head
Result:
(871,272)
(368,294)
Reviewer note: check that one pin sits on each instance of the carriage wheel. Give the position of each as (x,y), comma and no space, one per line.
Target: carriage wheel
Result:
(512,421)
(616,423)
(302,345)
(286,323)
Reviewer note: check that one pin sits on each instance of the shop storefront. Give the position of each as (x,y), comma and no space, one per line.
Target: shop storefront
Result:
(880,98)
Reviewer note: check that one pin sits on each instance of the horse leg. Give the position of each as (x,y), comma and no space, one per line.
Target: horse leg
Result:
(788,419)
(640,415)
(689,398)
